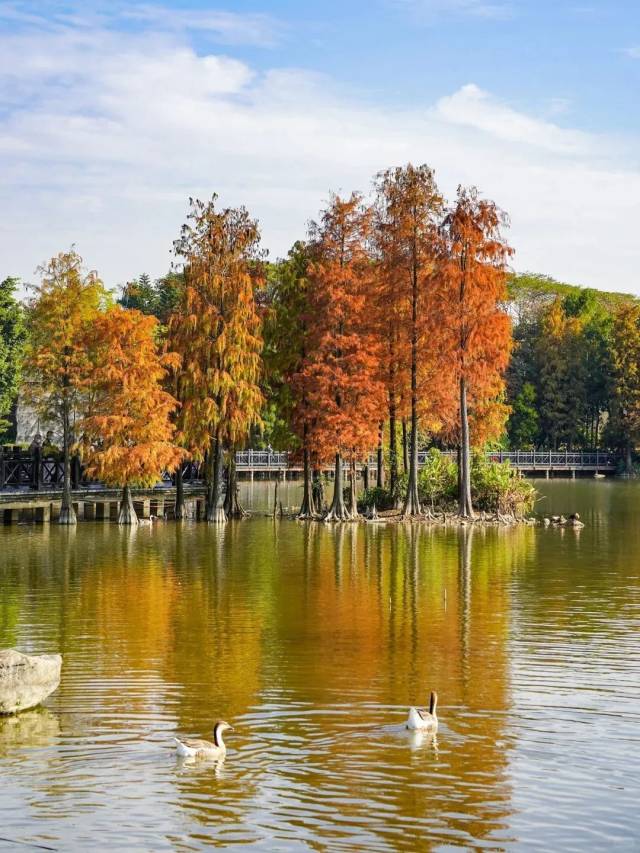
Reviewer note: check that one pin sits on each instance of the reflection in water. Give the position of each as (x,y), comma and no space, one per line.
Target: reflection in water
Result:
(423,740)
(313,640)
(35,728)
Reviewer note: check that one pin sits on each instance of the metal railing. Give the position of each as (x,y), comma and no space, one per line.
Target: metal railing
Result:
(21,469)
(265,459)
(531,459)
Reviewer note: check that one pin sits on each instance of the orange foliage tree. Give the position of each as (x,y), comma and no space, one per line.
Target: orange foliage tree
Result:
(66,302)
(339,377)
(216,330)
(408,211)
(473,290)
(128,430)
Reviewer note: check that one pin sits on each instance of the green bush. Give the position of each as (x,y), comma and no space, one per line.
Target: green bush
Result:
(437,479)
(497,487)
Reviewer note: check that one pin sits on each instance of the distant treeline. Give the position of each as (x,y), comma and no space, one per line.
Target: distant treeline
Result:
(573,379)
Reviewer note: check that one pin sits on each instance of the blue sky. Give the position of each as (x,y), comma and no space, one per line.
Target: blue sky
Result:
(112,114)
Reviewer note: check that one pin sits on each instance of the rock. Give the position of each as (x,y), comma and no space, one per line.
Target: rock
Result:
(26,680)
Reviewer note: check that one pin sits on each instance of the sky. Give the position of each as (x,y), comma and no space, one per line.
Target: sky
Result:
(112,114)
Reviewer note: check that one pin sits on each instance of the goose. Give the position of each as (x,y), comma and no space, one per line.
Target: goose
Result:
(424,720)
(188,748)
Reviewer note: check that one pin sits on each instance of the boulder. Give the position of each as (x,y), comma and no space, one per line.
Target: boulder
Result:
(26,680)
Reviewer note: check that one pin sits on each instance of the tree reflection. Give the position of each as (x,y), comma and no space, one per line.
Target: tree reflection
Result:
(313,640)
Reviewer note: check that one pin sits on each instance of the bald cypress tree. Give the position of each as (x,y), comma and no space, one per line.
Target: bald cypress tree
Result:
(216,331)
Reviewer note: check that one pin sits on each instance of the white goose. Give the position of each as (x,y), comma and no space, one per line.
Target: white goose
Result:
(188,748)
(420,719)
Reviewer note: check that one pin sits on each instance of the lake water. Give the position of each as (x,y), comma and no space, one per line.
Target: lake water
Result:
(313,641)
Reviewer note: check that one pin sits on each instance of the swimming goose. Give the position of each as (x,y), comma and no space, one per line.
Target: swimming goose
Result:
(421,719)
(204,748)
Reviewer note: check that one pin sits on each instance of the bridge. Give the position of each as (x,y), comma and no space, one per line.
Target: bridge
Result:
(21,470)
(30,484)
(532,462)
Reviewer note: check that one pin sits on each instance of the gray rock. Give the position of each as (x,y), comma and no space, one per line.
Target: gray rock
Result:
(26,680)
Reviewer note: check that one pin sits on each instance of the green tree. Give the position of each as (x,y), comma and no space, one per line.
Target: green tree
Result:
(12,344)
(139,295)
(158,298)
(524,422)
(624,428)
(286,335)
(561,376)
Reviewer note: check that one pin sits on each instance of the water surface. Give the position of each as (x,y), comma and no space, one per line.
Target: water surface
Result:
(313,641)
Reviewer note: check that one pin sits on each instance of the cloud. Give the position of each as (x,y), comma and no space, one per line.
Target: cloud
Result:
(632,52)
(473,107)
(221,26)
(104,135)
(428,10)
(229,27)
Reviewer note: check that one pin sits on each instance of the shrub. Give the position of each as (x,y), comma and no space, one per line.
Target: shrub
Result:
(438,478)
(497,487)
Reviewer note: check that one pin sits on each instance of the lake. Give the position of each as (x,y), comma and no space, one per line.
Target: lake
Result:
(313,641)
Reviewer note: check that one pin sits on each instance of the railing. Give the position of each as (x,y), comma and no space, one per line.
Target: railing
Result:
(20,469)
(265,459)
(531,459)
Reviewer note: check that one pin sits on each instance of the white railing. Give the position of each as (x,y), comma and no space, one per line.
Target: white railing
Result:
(530,459)
(267,459)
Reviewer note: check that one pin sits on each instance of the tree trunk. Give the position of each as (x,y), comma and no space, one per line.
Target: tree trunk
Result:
(307,508)
(337,510)
(393,448)
(412,500)
(227,501)
(465,507)
(380,458)
(67,512)
(215,509)
(353,489)
(365,476)
(232,506)
(127,512)
(628,461)
(180,509)
(317,492)
(405,448)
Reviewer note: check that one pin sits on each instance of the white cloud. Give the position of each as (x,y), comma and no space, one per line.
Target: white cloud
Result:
(229,27)
(222,26)
(473,107)
(632,52)
(431,9)
(104,135)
